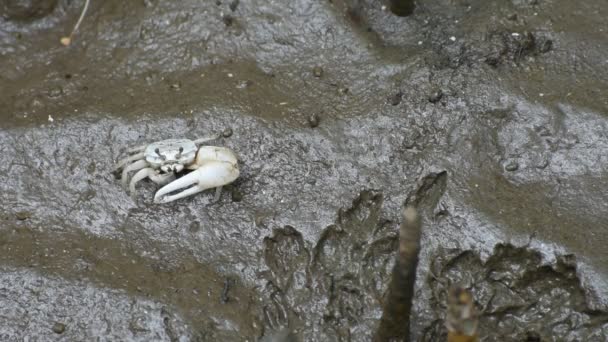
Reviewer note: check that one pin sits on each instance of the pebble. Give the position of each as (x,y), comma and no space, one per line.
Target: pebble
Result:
(512,166)
(435,96)
(546,46)
(395,99)
(317,71)
(55,92)
(194,227)
(237,196)
(58,328)
(227,133)
(314,120)
(23,215)
(233,5)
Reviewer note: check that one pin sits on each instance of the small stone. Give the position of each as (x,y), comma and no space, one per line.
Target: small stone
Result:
(176,86)
(543,164)
(55,92)
(543,131)
(237,196)
(228,20)
(343,90)
(314,120)
(435,96)
(512,16)
(492,61)
(227,132)
(194,227)
(58,328)
(527,41)
(23,215)
(317,71)
(395,99)
(233,5)
(244,84)
(512,166)
(91,168)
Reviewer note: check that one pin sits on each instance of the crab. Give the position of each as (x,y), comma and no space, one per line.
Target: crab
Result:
(161,161)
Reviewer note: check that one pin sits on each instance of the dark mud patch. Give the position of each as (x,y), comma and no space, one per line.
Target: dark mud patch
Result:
(210,302)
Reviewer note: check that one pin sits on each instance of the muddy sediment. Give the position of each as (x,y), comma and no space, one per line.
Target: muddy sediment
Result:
(489,116)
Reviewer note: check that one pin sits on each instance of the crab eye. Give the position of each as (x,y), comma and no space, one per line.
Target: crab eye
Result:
(157,150)
(179,154)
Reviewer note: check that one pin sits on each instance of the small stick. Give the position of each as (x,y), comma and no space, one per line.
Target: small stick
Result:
(67,40)
(462,316)
(395,321)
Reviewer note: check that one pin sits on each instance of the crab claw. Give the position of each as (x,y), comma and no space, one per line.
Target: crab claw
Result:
(213,174)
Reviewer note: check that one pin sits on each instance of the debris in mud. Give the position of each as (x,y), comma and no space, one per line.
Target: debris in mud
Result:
(514,46)
(227,133)
(314,120)
(225,296)
(395,99)
(23,215)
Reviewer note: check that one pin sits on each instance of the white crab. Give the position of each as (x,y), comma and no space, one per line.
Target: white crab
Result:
(213,167)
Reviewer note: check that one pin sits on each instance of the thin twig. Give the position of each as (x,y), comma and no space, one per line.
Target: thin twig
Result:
(67,40)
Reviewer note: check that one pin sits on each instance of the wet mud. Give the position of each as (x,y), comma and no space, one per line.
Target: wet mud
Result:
(489,116)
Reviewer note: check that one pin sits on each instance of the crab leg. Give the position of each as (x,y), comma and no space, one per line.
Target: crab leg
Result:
(138,165)
(137,149)
(205,139)
(218,194)
(211,175)
(121,163)
(141,174)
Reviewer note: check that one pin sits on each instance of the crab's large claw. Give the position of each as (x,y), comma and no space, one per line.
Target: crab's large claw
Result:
(212,174)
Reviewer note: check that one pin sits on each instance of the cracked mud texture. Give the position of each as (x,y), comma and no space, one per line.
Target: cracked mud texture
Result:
(491,116)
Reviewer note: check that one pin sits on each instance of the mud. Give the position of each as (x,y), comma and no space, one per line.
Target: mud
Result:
(490,116)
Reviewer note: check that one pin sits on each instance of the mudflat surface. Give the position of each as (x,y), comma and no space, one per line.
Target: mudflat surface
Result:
(494,114)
